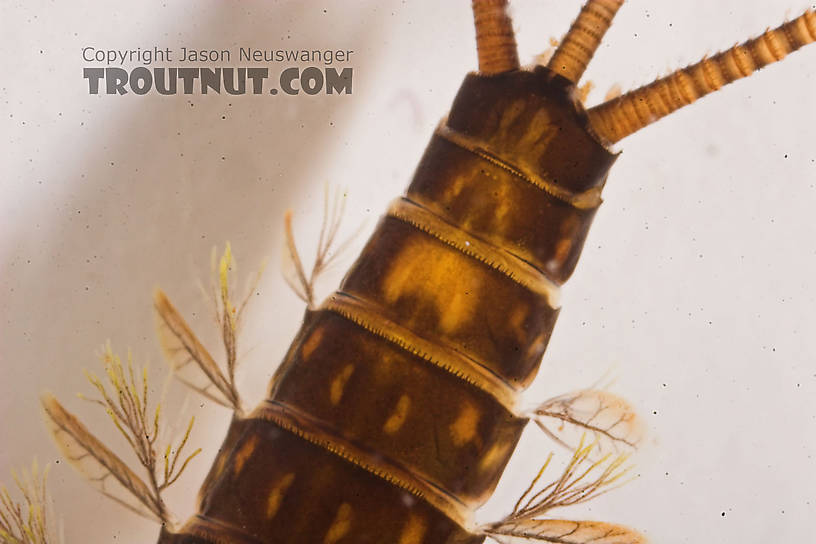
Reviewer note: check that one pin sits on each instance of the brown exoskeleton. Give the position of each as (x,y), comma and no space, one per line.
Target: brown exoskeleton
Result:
(393,415)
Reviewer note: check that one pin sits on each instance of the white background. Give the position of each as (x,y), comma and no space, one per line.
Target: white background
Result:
(696,285)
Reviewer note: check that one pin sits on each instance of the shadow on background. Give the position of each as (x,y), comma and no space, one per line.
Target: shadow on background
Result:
(150,185)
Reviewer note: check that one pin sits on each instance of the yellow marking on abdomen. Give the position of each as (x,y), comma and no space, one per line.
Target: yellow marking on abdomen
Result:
(338,384)
(411,273)
(463,430)
(220,464)
(398,416)
(517,321)
(276,495)
(242,455)
(413,531)
(454,189)
(340,526)
(494,455)
(311,343)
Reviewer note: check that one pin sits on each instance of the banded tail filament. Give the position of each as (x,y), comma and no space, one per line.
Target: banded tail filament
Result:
(394,412)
